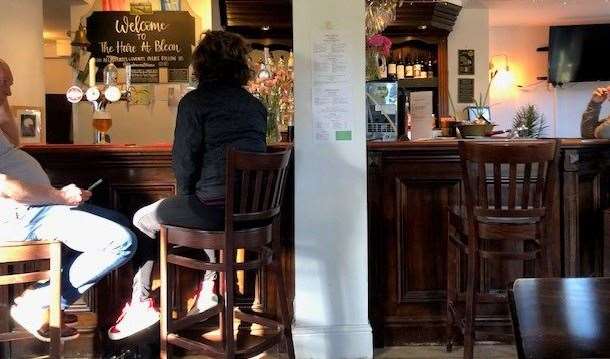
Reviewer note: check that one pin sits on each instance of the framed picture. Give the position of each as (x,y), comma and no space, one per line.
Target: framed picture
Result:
(465,62)
(475,112)
(30,123)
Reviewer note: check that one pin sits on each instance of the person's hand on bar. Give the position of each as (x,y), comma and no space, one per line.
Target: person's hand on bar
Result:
(600,94)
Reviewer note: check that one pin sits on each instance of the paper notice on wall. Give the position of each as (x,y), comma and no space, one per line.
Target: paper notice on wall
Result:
(421,114)
(331,91)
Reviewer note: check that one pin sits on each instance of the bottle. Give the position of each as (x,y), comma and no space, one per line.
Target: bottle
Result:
(430,69)
(400,68)
(392,69)
(423,73)
(409,69)
(417,69)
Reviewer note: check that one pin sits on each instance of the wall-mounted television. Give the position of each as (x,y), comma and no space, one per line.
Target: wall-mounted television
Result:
(579,53)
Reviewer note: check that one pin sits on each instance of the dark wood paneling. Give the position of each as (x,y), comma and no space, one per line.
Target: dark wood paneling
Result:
(135,176)
(410,187)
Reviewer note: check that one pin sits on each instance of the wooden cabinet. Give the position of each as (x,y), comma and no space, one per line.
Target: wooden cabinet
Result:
(411,186)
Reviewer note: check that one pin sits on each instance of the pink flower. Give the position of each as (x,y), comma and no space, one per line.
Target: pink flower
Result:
(382,43)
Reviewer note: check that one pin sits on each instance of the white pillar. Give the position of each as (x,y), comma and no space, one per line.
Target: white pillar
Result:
(331,301)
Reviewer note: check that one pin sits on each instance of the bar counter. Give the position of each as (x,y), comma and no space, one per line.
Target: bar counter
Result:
(135,176)
(410,187)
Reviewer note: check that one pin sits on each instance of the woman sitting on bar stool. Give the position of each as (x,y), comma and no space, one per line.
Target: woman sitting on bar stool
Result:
(218,113)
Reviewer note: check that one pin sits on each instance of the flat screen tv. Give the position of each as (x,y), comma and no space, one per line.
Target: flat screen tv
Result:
(579,53)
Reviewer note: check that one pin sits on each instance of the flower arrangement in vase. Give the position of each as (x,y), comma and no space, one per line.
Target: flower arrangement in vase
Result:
(377,49)
(276,92)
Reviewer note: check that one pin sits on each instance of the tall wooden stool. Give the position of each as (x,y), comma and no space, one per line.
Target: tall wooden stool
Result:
(254,191)
(508,189)
(11,252)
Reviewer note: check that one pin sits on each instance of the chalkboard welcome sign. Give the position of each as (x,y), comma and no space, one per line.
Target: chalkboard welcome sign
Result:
(148,42)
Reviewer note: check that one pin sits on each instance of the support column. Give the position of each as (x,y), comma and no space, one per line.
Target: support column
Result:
(331,301)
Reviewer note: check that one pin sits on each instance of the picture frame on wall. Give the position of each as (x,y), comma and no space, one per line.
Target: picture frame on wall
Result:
(465,62)
(30,123)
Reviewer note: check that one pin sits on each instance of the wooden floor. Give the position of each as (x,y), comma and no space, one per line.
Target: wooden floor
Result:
(428,352)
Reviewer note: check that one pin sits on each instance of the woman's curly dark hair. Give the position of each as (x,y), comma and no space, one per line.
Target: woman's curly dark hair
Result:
(222,56)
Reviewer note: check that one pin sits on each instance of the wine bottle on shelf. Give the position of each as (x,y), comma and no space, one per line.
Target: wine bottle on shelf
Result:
(431,71)
(392,69)
(417,69)
(409,69)
(423,73)
(400,68)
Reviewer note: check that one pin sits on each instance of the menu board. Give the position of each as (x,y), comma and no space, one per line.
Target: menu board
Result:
(163,39)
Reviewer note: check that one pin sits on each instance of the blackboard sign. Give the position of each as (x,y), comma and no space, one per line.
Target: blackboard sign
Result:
(465,90)
(161,39)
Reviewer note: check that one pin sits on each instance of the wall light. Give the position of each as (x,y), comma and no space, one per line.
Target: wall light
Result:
(503,78)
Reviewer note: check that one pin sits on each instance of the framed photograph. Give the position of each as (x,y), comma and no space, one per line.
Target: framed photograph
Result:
(30,123)
(475,112)
(465,62)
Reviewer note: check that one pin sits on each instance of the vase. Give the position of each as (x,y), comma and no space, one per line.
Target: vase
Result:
(273,131)
(372,64)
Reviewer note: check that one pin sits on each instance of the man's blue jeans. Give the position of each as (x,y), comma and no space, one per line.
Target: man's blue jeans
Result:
(97,242)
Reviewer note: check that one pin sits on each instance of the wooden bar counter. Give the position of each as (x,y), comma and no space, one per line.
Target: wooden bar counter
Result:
(410,187)
(135,176)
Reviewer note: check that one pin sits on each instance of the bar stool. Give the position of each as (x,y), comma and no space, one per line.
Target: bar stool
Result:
(254,191)
(11,252)
(509,189)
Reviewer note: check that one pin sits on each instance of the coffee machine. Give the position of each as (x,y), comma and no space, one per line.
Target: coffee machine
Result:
(385,103)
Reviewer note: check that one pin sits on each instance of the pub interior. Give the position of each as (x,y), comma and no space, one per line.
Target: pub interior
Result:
(437,176)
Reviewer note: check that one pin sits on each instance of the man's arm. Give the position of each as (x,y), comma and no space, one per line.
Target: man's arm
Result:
(7,124)
(27,193)
(590,120)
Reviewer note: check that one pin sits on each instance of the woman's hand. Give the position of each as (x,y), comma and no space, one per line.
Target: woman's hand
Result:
(73,195)
(600,95)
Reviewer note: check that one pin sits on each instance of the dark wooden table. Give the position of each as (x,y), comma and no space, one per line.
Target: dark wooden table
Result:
(563,318)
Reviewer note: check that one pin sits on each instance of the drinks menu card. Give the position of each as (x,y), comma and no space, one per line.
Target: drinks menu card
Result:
(421,114)
(331,91)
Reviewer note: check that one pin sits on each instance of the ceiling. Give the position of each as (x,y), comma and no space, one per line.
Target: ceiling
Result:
(543,12)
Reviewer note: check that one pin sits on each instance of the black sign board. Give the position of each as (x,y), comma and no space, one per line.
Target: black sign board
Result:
(465,90)
(465,62)
(161,39)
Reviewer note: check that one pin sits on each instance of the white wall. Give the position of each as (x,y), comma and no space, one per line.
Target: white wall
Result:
(136,124)
(331,303)
(561,107)
(470,32)
(21,46)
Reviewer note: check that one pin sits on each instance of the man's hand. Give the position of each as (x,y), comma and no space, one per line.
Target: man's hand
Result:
(600,95)
(73,195)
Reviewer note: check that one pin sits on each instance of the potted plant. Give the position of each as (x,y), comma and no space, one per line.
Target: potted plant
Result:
(529,123)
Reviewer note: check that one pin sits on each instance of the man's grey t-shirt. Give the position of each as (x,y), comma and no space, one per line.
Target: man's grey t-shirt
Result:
(16,164)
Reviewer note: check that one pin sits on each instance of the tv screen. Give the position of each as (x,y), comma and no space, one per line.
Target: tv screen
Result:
(578,53)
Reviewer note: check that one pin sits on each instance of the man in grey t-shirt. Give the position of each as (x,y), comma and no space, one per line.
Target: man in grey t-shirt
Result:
(31,209)
(591,126)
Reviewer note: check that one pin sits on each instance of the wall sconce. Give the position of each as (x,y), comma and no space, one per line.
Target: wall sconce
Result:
(501,75)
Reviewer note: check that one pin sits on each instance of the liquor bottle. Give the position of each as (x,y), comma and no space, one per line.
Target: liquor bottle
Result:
(392,69)
(400,68)
(417,69)
(423,73)
(431,71)
(409,69)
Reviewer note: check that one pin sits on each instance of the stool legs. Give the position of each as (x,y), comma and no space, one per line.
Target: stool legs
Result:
(55,304)
(282,298)
(229,279)
(472,287)
(165,349)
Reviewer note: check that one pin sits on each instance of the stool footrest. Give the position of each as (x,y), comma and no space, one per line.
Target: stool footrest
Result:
(253,318)
(16,335)
(20,278)
(193,345)
(179,324)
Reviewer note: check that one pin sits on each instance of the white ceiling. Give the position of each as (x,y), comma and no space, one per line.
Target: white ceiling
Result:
(543,12)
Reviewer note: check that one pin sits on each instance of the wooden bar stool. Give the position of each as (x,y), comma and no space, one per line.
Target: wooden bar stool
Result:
(11,252)
(509,188)
(254,191)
